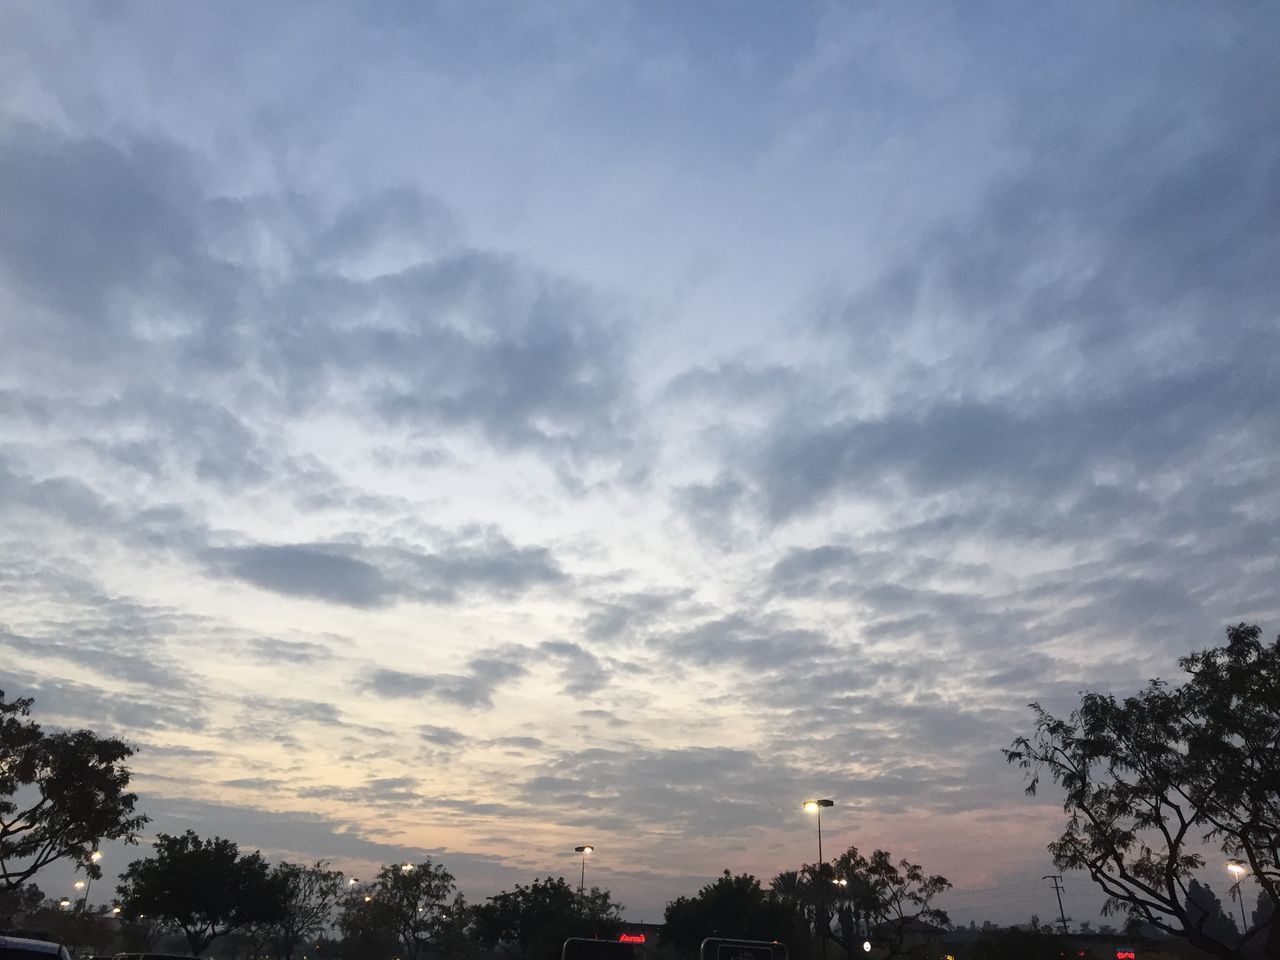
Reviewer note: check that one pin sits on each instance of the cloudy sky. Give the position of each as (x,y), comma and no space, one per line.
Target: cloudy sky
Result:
(477,429)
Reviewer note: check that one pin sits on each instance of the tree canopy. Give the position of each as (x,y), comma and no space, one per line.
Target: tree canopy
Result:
(206,888)
(416,904)
(734,906)
(307,897)
(1150,780)
(61,795)
(889,901)
(538,918)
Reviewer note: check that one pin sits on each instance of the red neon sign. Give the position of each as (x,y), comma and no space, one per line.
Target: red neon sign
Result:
(1126,955)
(631,938)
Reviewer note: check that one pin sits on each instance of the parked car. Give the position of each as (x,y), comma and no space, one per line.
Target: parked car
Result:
(22,948)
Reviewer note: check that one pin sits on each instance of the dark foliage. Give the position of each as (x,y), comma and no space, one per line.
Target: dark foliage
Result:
(1148,779)
(205,888)
(736,907)
(74,784)
(538,918)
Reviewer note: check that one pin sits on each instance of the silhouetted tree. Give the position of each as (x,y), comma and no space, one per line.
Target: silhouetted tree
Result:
(1205,911)
(537,919)
(206,888)
(61,795)
(1147,779)
(891,899)
(417,904)
(309,895)
(16,901)
(733,907)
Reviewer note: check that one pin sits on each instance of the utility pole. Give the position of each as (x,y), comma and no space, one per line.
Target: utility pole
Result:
(1057,888)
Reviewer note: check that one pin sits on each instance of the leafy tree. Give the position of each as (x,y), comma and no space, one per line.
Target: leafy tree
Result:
(793,889)
(206,888)
(141,934)
(366,928)
(1149,779)
(890,899)
(74,789)
(414,904)
(17,901)
(538,918)
(734,907)
(308,896)
(1204,910)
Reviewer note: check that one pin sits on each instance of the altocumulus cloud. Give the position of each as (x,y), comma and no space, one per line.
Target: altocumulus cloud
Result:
(631,427)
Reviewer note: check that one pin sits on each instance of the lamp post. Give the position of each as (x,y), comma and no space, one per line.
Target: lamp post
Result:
(84,885)
(1238,869)
(582,879)
(815,806)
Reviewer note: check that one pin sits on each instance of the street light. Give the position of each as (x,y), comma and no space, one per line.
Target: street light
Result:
(815,806)
(1238,869)
(582,879)
(406,868)
(84,885)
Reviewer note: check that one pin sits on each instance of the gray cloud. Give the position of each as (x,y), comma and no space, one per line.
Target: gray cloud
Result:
(581,671)
(442,736)
(470,338)
(275,650)
(305,570)
(360,576)
(743,642)
(473,689)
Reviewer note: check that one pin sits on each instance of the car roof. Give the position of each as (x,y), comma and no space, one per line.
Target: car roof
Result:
(35,946)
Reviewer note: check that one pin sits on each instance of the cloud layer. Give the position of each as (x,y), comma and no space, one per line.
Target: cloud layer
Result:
(635,426)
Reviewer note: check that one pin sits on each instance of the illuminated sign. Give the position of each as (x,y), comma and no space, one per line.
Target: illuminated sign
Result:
(1126,955)
(631,938)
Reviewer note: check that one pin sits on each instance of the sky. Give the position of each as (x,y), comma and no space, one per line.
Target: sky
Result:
(472,430)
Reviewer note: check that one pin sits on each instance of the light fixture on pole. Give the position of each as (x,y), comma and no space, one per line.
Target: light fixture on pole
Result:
(582,879)
(1238,869)
(815,806)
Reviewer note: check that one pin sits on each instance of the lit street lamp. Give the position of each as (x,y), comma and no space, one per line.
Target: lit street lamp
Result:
(1238,869)
(815,806)
(582,879)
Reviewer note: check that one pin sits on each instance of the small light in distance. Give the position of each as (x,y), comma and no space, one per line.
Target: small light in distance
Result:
(866,946)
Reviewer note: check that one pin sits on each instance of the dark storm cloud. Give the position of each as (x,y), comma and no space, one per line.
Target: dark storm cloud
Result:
(473,689)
